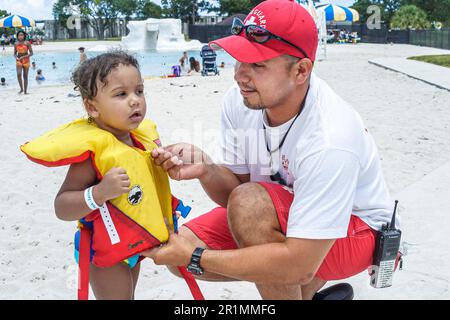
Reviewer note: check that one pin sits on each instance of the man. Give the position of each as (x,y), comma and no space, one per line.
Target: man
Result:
(301,200)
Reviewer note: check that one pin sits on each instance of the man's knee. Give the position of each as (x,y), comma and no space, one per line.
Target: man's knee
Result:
(251,214)
(245,201)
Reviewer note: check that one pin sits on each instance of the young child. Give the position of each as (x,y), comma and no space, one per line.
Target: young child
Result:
(39,76)
(116,103)
(83,56)
(115,173)
(3,81)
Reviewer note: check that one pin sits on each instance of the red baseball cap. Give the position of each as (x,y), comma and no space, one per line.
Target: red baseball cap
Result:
(284,18)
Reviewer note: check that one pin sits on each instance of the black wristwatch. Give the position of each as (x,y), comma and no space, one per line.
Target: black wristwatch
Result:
(194,265)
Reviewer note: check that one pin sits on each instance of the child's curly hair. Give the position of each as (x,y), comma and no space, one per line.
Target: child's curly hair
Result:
(98,68)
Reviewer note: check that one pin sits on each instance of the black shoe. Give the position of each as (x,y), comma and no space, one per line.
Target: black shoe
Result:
(341,291)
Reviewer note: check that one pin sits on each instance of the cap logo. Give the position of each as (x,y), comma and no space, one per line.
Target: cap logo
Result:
(256,17)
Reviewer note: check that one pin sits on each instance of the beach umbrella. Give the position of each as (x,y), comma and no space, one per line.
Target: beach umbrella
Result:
(339,13)
(16,21)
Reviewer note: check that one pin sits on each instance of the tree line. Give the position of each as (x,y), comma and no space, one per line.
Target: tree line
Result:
(407,14)
(101,14)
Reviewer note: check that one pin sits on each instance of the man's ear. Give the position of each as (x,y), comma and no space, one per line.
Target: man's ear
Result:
(90,107)
(304,68)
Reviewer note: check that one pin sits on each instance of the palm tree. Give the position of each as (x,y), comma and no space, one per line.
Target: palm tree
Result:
(410,17)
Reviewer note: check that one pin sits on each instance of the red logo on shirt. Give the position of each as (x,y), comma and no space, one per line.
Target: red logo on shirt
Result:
(285,162)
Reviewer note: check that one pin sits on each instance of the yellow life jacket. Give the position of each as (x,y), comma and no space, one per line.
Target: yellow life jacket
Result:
(138,217)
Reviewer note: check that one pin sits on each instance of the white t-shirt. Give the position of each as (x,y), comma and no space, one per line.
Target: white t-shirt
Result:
(328,160)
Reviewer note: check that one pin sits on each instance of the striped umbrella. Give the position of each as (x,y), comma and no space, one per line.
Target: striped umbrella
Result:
(339,13)
(16,21)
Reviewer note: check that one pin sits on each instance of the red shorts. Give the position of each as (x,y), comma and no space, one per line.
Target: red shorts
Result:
(347,257)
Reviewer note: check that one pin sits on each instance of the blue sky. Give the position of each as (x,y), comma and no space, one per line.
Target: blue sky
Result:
(42,9)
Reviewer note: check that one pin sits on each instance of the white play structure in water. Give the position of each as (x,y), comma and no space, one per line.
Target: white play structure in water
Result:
(158,34)
(166,34)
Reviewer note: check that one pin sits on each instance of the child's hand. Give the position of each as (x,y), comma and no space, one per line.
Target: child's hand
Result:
(115,183)
(182,161)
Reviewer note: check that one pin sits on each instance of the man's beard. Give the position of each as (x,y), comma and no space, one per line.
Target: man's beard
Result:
(258,106)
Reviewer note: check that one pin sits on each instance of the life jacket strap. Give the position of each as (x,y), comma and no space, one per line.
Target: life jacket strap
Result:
(192,283)
(84,263)
(109,224)
(188,277)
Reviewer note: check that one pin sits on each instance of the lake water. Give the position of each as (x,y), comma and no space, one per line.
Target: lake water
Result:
(152,63)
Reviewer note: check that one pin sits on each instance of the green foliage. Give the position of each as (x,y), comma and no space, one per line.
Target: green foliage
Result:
(100,14)
(410,17)
(61,11)
(440,60)
(390,8)
(4,13)
(148,9)
(6,31)
(186,10)
(436,10)
(125,8)
(231,7)
(361,6)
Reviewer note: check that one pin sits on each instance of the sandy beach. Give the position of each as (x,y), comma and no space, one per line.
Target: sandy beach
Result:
(409,120)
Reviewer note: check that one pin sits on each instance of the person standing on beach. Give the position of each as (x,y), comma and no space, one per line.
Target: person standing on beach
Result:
(3,41)
(22,53)
(184,60)
(83,56)
(299,183)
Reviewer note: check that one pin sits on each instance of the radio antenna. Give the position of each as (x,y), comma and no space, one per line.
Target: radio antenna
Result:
(392,226)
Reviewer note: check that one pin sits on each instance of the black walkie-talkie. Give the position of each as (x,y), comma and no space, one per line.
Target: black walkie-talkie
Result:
(386,248)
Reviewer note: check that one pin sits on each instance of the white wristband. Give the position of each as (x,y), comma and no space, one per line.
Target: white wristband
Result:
(89,198)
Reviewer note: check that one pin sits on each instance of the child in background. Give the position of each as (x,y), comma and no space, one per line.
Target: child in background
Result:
(194,65)
(3,82)
(54,65)
(39,76)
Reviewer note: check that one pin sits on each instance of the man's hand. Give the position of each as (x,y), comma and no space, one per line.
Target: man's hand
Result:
(182,161)
(115,183)
(176,252)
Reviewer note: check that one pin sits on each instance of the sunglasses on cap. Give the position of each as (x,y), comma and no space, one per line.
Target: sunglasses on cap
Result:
(258,34)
